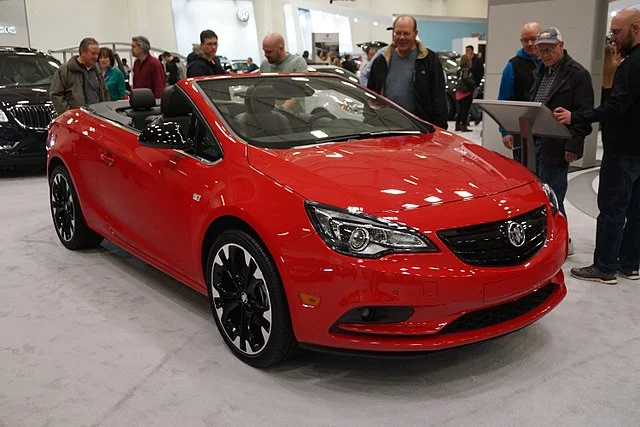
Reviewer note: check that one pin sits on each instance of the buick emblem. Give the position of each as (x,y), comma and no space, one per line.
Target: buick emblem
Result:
(515,233)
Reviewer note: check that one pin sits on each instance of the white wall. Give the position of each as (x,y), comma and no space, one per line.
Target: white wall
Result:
(57,24)
(237,40)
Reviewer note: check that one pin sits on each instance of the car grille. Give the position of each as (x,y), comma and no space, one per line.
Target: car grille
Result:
(489,244)
(500,313)
(36,117)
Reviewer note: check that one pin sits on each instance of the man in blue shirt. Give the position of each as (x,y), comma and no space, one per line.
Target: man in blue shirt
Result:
(518,77)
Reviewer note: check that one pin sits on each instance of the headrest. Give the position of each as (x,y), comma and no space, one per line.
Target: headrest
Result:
(260,99)
(141,99)
(174,103)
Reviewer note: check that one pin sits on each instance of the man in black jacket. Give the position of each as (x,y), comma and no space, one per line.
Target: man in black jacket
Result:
(560,81)
(618,225)
(411,75)
(205,62)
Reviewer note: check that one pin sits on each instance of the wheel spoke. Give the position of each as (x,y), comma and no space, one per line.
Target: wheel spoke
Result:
(243,330)
(248,275)
(262,322)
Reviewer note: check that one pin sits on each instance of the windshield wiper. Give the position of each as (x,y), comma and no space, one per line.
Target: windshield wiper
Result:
(369,135)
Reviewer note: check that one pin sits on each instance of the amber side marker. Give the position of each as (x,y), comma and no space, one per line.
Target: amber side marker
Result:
(309,300)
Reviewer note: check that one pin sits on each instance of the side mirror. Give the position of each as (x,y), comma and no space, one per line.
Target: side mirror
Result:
(164,135)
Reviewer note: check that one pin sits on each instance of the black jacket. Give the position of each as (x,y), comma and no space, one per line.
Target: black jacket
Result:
(477,68)
(428,82)
(571,89)
(203,66)
(620,114)
(172,70)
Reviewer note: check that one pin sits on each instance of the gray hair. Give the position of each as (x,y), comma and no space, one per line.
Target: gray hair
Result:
(85,43)
(142,42)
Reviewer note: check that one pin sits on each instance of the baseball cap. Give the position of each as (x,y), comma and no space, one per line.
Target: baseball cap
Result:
(549,35)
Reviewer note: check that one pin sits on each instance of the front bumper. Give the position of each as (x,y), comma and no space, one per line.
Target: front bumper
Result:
(452,303)
(27,147)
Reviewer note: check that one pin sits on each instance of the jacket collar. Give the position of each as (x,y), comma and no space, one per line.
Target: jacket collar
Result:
(423,52)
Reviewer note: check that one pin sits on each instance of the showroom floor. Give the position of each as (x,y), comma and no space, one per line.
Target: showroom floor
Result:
(101,338)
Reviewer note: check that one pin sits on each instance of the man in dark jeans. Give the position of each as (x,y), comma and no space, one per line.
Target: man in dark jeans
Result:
(617,242)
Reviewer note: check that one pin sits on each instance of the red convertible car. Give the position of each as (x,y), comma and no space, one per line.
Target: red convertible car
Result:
(313,213)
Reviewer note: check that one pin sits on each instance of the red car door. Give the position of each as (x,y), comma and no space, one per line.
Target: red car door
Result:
(147,194)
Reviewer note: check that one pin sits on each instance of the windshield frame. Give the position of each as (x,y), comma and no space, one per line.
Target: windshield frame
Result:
(421,126)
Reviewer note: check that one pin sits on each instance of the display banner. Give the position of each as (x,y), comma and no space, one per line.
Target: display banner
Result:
(13,23)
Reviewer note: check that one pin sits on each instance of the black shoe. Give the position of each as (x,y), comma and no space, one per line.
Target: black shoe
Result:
(593,274)
(465,129)
(629,274)
(457,127)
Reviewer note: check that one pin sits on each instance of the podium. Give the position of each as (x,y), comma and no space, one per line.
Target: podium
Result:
(529,119)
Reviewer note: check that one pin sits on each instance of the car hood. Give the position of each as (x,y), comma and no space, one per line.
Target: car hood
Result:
(391,173)
(12,95)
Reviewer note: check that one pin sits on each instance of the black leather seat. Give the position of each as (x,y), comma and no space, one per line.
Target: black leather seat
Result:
(260,118)
(175,107)
(143,104)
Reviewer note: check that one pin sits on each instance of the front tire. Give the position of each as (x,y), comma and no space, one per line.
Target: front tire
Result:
(68,221)
(248,300)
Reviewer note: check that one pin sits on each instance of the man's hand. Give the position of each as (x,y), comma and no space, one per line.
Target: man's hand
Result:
(562,115)
(569,156)
(508,141)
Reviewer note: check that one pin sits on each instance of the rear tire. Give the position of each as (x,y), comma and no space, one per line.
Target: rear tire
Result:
(248,301)
(68,221)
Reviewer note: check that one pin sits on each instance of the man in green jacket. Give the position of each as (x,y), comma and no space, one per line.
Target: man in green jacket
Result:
(79,82)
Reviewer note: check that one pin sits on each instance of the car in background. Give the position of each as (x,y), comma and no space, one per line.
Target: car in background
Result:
(25,107)
(238,66)
(371,232)
(450,62)
(332,69)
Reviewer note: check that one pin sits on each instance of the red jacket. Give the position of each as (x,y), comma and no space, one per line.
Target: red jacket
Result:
(150,74)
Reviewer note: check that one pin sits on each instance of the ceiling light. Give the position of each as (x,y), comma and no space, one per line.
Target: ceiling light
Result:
(614,13)
(355,19)
(375,23)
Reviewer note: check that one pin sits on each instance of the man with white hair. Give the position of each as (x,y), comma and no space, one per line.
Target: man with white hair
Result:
(277,59)
(148,71)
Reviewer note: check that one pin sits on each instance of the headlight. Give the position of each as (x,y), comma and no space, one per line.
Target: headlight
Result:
(364,236)
(552,197)
(3,117)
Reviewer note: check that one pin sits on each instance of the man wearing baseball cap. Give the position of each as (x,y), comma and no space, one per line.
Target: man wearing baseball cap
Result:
(561,81)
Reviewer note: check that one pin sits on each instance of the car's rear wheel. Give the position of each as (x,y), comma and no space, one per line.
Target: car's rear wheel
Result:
(68,221)
(248,300)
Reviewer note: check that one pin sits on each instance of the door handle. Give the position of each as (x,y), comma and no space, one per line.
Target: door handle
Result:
(107,159)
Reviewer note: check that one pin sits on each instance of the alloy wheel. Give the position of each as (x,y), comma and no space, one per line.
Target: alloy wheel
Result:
(241,299)
(63,208)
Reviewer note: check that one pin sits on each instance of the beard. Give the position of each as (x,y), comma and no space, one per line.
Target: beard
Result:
(626,44)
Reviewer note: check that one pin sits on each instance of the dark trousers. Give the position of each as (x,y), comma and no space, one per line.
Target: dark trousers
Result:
(463,111)
(618,225)
(517,148)
(556,176)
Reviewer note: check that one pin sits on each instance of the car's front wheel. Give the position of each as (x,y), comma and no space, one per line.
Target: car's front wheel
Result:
(248,300)
(68,221)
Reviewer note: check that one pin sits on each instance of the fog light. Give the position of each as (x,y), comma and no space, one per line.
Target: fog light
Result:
(359,239)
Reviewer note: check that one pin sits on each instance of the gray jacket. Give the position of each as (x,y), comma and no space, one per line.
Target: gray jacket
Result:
(67,87)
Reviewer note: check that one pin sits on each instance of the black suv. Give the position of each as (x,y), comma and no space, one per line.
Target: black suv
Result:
(25,106)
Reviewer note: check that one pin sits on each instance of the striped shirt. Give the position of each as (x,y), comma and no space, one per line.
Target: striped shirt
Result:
(548,78)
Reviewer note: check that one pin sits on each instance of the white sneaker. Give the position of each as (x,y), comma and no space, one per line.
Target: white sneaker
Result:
(570,249)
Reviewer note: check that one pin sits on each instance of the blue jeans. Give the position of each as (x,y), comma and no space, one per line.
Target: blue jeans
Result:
(618,225)
(553,175)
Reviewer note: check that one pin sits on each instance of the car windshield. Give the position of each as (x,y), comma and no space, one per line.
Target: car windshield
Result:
(290,111)
(26,69)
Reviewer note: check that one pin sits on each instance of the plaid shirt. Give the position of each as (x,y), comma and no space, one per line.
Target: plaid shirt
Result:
(548,78)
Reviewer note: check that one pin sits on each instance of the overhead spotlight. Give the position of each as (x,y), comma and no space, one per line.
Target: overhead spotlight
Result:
(375,23)
(614,13)
(355,19)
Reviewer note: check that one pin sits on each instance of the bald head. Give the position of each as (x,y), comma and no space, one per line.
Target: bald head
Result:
(273,46)
(528,35)
(625,29)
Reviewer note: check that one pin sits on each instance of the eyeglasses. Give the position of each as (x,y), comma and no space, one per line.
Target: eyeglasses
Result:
(545,50)
(617,31)
(399,34)
(528,39)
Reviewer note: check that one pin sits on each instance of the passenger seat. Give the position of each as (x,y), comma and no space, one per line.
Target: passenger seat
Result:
(143,104)
(175,107)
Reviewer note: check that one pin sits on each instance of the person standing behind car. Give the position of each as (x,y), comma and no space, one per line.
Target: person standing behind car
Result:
(148,71)
(477,64)
(277,59)
(411,75)
(618,224)
(205,63)
(113,77)
(464,92)
(518,77)
(251,66)
(171,67)
(79,82)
